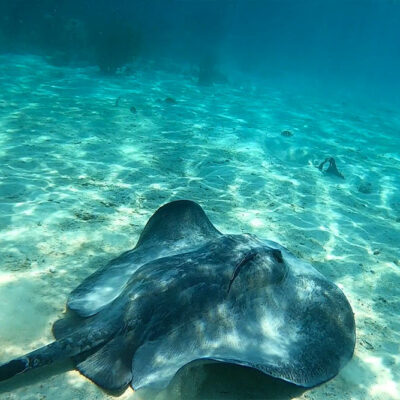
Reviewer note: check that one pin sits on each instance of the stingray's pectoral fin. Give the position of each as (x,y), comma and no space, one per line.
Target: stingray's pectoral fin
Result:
(156,363)
(110,367)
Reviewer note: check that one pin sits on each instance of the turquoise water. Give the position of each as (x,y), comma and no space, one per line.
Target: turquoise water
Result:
(86,156)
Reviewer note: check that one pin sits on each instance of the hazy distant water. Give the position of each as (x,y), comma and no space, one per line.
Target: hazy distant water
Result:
(348,46)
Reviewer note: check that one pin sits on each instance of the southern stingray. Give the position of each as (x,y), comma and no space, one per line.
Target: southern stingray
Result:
(188,292)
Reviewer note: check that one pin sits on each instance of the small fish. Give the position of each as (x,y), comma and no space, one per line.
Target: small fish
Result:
(332,168)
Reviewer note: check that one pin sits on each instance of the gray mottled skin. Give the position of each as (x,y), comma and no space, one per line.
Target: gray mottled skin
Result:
(187,292)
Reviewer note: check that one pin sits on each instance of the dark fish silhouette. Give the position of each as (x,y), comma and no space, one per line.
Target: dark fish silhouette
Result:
(332,168)
(165,303)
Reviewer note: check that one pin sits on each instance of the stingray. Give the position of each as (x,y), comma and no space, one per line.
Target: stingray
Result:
(188,292)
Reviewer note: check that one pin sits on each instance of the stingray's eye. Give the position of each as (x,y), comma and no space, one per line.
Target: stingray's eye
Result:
(277,269)
(277,255)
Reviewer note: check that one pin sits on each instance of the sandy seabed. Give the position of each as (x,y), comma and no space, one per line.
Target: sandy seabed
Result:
(81,171)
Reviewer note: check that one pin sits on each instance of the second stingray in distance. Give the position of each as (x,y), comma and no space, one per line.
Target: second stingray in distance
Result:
(188,292)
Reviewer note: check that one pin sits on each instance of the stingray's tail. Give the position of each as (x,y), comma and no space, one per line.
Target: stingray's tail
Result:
(69,346)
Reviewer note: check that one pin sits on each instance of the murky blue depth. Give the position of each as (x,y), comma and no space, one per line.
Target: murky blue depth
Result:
(348,46)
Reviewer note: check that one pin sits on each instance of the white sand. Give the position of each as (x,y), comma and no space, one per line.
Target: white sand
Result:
(80,176)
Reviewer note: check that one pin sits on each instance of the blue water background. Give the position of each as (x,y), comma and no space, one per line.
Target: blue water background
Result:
(340,47)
